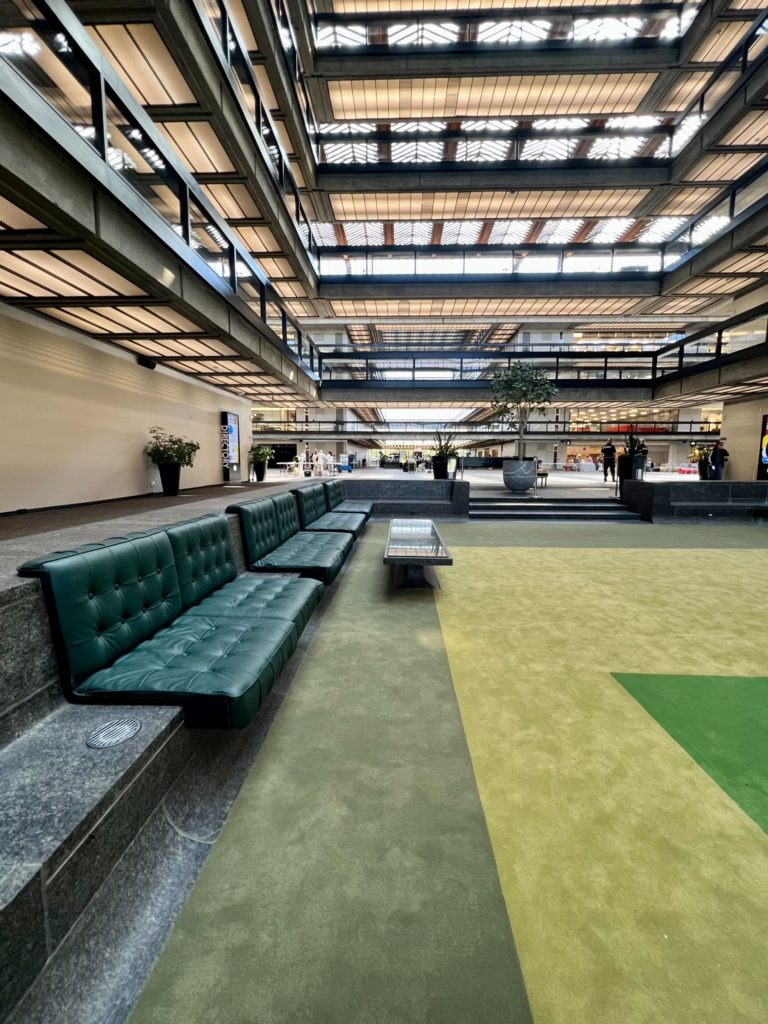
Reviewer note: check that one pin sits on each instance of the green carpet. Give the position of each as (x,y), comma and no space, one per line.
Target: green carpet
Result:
(353,882)
(722,721)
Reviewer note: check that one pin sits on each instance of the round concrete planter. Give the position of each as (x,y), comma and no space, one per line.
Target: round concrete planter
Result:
(519,474)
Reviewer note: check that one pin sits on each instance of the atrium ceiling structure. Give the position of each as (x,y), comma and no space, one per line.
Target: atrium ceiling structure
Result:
(413,178)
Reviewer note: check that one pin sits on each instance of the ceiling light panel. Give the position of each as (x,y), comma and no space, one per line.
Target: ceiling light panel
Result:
(143,62)
(490,96)
(13,218)
(495,205)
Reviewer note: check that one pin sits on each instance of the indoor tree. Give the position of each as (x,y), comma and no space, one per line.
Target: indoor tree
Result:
(517,392)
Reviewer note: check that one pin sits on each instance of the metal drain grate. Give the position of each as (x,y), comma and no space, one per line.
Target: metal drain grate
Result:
(111,733)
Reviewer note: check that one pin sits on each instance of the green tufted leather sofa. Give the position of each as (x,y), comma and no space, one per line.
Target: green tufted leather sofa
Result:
(162,618)
(313,516)
(335,501)
(273,541)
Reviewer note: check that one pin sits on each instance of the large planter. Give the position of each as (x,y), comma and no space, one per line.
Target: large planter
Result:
(170,474)
(703,465)
(519,474)
(440,467)
(260,470)
(629,467)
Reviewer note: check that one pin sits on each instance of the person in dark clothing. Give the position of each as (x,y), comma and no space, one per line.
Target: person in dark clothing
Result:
(608,451)
(717,460)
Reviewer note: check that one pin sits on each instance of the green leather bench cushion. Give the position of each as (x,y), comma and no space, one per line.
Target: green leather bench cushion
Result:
(258,526)
(287,516)
(336,502)
(311,504)
(202,549)
(219,669)
(347,522)
(107,599)
(264,596)
(319,555)
(360,507)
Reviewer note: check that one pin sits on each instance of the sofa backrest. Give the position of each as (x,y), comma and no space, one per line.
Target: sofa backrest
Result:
(311,503)
(105,599)
(258,526)
(202,550)
(334,494)
(287,516)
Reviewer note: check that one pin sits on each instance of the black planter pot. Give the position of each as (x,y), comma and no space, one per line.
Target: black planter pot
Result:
(628,467)
(703,465)
(170,474)
(260,469)
(440,467)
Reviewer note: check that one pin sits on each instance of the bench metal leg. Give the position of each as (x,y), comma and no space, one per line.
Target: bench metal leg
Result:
(405,577)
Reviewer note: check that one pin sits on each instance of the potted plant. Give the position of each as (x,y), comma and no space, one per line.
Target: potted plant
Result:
(700,457)
(517,392)
(259,455)
(443,449)
(632,460)
(169,452)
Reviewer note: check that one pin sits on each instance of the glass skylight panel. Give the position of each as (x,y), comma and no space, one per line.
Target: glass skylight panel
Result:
(489,264)
(409,232)
(364,232)
(347,128)
(610,230)
(648,262)
(685,131)
(548,149)
(509,232)
(492,125)
(661,229)
(606,29)
(613,148)
(587,263)
(351,152)
(513,31)
(341,35)
(479,150)
(708,228)
(433,264)
(560,124)
(679,24)
(411,127)
(631,122)
(421,152)
(429,34)
(18,44)
(461,232)
(557,232)
(324,234)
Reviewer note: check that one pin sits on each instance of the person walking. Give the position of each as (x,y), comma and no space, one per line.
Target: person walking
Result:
(717,460)
(608,452)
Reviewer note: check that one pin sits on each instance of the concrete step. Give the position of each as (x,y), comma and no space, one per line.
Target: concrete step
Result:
(556,515)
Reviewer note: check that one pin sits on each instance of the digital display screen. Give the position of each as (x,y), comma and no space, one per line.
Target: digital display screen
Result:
(762,462)
(229,442)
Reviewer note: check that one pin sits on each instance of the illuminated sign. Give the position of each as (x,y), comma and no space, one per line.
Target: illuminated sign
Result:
(229,440)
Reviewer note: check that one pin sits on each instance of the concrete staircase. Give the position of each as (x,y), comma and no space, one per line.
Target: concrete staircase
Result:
(550,509)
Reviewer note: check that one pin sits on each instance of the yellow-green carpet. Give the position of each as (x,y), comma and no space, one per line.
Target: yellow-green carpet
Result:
(458,778)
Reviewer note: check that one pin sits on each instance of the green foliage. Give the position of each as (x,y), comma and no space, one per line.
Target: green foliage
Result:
(516,392)
(170,448)
(443,445)
(702,450)
(260,453)
(634,444)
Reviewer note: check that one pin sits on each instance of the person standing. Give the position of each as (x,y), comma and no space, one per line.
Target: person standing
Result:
(608,452)
(717,460)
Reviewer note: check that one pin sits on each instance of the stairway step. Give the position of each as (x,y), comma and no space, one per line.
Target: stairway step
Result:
(619,516)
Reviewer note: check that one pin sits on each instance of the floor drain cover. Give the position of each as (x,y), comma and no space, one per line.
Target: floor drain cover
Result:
(111,733)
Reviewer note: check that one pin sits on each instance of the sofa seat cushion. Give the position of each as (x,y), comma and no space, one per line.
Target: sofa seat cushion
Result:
(319,555)
(218,668)
(350,505)
(347,522)
(270,597)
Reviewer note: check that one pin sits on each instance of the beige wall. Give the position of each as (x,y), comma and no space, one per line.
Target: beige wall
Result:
(74,417)
(741,428)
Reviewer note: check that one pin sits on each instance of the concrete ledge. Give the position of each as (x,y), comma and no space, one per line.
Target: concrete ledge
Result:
(655,501)
(411,495)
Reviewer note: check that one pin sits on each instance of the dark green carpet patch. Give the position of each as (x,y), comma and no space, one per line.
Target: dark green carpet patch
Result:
(722,722)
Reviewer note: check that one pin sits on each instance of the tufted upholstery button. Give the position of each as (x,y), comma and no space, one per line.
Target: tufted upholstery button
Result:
(117,586)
